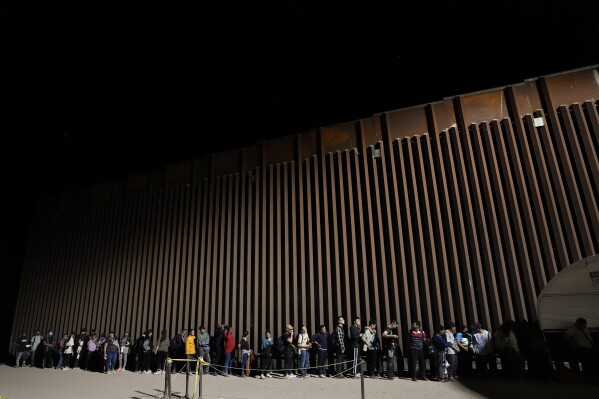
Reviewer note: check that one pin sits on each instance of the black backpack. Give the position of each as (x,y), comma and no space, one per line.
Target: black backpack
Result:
(174,345)
(279,346)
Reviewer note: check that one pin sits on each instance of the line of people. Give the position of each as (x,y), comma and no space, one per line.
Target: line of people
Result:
(450,352)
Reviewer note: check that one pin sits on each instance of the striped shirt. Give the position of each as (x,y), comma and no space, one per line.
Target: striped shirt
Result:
(417,339)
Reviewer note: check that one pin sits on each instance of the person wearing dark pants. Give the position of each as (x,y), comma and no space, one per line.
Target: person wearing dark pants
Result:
(416,344)
(355,336)
(339,347)
(371,348)
(321,340)
(390,339)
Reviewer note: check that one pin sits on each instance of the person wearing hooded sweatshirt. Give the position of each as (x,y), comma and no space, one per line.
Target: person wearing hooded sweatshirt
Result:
(68,351)
(229,348)
(48,344)
(190,350)
(23,349)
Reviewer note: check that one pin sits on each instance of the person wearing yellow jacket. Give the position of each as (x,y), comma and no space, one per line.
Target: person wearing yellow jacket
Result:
(190,350)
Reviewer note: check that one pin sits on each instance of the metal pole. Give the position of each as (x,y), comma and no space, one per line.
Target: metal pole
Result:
(187,381)
(362,378)
(167,379)
(201,374)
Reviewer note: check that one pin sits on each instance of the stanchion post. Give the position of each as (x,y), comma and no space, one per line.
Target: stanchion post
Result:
(187,381)
(167,379)
(201,365)
(362,378)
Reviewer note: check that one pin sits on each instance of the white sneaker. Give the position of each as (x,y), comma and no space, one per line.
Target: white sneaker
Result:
(262,376)
(268,375)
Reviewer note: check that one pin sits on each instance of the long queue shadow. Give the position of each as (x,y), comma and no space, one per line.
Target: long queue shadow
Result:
(501,387)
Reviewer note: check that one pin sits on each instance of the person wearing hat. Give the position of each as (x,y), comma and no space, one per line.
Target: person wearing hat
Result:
(483,349)
(289,347)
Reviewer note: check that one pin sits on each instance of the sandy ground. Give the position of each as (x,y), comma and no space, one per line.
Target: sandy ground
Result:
(32,383)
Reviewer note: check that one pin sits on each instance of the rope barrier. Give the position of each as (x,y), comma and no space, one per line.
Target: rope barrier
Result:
(199,371)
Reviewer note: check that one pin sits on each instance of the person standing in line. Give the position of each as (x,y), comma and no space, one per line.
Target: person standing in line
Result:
(190,350)
(92,353)
(369,342)
(125,345)
(483,349)
(229,340)
(464,341)
(506,345)
(181,339)
(390,340)
(355,336)
(204,346)
(162,352)
(244,349)
(581,349)
(417,339)
(68,350)
(440,345)
(339,346)
(111,350)
(36,340)
(219,349)
(61,343)
(147,345)
(23,345)
(452,351)
(303,346)
(48,344)
(321,339)
(267,346)
(289,349)
(80,349)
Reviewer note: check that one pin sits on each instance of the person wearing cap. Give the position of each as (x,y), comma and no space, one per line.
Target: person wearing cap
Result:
(80,348)
(48,344)
(321,340)
(289,347)
(483,349)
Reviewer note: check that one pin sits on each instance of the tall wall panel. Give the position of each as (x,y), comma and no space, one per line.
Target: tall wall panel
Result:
(462,211)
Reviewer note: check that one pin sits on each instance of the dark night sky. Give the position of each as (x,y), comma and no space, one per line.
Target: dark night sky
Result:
(100,94)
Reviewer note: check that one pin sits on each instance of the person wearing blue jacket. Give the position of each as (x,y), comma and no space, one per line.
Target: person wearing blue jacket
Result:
(440,345)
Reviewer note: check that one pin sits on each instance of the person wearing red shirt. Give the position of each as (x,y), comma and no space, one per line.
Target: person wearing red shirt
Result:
(229,348)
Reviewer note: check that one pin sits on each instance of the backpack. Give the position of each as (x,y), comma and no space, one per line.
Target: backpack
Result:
(279,346)
(173,346)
